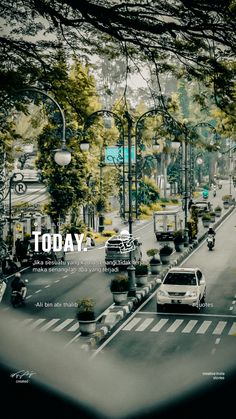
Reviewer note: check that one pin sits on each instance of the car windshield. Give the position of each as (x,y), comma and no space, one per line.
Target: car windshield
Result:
(183,278)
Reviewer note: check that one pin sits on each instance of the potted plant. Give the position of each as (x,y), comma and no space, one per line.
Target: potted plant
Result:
(119,288)
(213,216)
(218,210)
(178,240)
(86,316)
(226,201)
(165,253)
(141,273)
(206,220)
(154,261)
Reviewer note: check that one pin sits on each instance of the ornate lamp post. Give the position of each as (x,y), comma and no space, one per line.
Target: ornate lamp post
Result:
(121,158)
(62,156)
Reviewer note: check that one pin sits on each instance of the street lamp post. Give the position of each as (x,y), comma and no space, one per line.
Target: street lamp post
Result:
(120,125)
(62,156)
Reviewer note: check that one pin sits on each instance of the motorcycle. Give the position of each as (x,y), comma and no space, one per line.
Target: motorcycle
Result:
(18,297)
(210,242)
(9,266)
(214,193)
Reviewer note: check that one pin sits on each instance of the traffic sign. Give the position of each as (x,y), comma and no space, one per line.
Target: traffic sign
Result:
(20,188)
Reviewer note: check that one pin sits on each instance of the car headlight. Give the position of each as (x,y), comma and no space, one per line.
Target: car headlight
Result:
(162,293)
(191,294)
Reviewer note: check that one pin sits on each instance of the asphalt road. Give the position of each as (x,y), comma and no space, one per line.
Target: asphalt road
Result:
(52,296)
(180,337)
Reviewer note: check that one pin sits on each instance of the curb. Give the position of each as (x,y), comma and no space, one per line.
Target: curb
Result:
(118,312)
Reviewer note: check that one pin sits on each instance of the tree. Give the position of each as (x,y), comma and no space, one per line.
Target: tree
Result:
(68,186)
(200,34)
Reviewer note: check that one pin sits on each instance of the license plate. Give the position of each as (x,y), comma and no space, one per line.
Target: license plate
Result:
(176,301)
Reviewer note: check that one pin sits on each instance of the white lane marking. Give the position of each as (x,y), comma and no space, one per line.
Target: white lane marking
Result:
(65,276)
(189,327)
(36,323)
(213,351)
(219,328)
(58,280)
(48,325)
(73,328)
(63,325)
(36,292)
(189,314)
(72,340)
(174,326)
(217,341)
(47,286)
(159,325)
(6,308)
(231,308)
(28,296)
(233,330)
(132,323)
(144,325)
(203,328)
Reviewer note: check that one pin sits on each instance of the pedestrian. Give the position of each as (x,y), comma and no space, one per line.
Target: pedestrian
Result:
(190,204)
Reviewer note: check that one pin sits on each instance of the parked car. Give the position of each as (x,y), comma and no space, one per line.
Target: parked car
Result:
(185,286)
(118,248)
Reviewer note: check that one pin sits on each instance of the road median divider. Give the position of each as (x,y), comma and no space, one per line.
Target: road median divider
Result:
(115,314)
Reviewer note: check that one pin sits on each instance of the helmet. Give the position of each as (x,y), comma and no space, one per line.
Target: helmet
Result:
(18,275)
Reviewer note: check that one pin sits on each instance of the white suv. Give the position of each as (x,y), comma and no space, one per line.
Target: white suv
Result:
(186,286)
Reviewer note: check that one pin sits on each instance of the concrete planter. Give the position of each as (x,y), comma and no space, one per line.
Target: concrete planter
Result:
(179,247)
(155,268)
(120,297)
(226,204)
(141,279)
(218,213)
(206,223)
(87,327)
(213,218)
(165,259)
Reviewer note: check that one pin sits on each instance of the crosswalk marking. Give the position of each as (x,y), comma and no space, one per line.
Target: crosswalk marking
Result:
(74,327)
(159,325)
(139,324)
(63,325)
(174,326)
(219,328)
(36,323)
(203,328)
(131,324)
(189,327)
(48,325)
(144,325)
(233,329)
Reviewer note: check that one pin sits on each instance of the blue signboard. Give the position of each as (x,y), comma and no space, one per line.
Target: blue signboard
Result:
(114,155)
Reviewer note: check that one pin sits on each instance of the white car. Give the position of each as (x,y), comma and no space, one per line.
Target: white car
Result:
(186,286)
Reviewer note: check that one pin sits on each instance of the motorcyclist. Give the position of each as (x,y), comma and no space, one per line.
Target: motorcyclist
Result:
(214,190)
(19,285)
(205,193)
(212,233)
